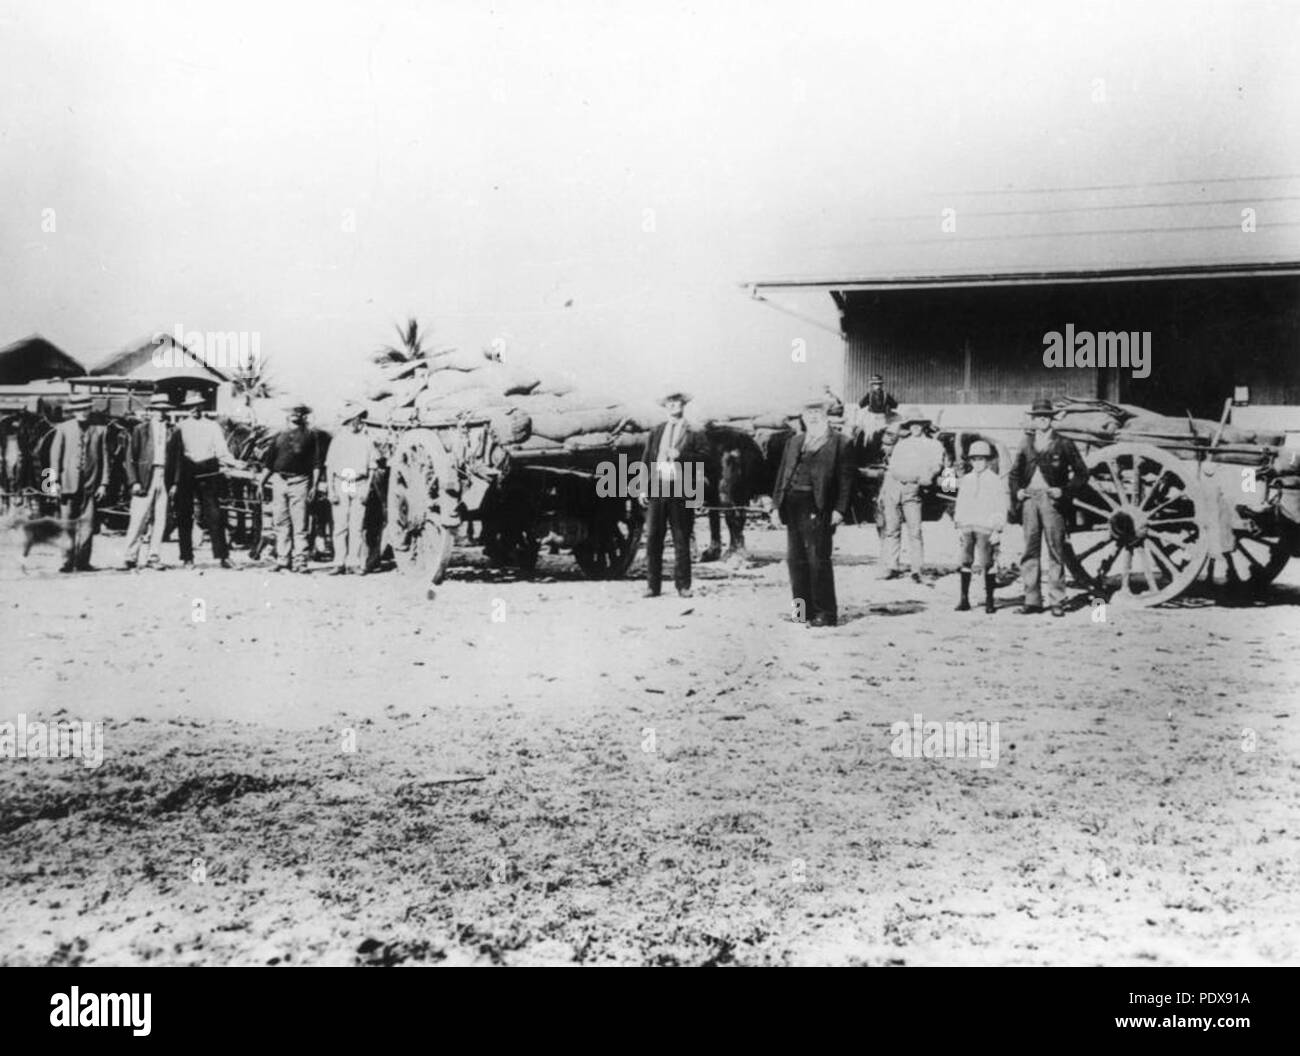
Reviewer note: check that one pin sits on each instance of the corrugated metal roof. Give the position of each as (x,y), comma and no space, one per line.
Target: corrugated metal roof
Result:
(1120,231)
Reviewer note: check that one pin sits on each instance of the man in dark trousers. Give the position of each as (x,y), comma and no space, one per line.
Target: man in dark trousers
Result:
(814,486)
(1046,472)
(675,456)
(205,452)
(79,477)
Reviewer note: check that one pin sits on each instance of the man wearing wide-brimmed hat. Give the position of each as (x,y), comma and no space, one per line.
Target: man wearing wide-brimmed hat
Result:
(349,470)
(1047,470)
(205,452)
(672,451)
(294,464)
(812,494)
(153,469)
(913,464)
(80,479)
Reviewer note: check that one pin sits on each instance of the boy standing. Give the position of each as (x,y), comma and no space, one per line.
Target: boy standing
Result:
(981,514)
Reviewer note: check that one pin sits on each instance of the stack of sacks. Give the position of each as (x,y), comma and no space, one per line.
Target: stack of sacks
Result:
(525,411)
(1160,426)
(1090,416)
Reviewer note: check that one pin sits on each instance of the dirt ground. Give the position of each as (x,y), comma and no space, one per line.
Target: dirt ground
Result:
(557,771)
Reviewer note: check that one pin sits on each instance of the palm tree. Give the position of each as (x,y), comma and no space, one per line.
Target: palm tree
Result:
(412,347)
(252,381)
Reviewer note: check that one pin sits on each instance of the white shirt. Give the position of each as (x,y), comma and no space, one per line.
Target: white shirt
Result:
(158,436)
(669,444)
(982,500)
(203,439)
(351,456)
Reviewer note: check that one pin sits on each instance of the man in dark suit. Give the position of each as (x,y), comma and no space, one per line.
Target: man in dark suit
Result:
(814,486)
(1046,472)
(79,477)
(675,457)
(153,470)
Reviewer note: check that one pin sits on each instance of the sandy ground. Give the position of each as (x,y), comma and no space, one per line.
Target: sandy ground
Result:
(559,771)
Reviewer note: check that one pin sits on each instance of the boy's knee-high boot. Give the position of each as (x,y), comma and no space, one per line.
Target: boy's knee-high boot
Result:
(990,581)
(964,604)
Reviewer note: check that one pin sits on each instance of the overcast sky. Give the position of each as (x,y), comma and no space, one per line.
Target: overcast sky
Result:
(590,181)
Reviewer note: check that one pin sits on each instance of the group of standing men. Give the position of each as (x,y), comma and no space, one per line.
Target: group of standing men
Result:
(814,488)
(172,465)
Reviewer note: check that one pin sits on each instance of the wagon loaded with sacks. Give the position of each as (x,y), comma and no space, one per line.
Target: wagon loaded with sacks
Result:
(487,455)
(1170,501)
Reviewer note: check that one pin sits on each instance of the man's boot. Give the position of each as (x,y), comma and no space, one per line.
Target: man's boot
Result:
(964,604)
(990,581)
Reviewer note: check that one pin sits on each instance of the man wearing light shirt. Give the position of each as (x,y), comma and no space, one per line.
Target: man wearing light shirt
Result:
(915,462)
(203,445)
(349,469)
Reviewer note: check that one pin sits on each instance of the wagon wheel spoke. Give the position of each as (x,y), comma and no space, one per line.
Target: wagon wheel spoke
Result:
(1161,558)
(1148,565)
(1092,550)
(1103,514)
(1256,566)
(1126,572)
(1160,522)
(1119,481)
(1137,482)
(1154,492)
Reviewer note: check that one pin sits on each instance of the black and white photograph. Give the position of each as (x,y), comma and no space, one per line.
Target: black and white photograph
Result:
(614,484)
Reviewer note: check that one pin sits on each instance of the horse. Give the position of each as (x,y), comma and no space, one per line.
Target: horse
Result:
(743,467)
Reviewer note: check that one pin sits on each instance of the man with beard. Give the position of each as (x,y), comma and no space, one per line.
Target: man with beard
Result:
(814,486)
(1046,472)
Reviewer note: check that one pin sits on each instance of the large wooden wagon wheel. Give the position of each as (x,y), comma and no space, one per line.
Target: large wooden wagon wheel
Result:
(421,480)
(614,533)
(1138,537)
(1259,553)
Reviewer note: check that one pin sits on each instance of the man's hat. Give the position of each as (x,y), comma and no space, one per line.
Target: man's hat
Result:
(675,394)
(875,379)
(979,449)
(820,400)
(78,403)
(159,401)
(913,414)
(1042,406)
(193,399)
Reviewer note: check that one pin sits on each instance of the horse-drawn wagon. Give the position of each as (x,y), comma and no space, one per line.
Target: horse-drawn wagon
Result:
(462,479)
(1168,502)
